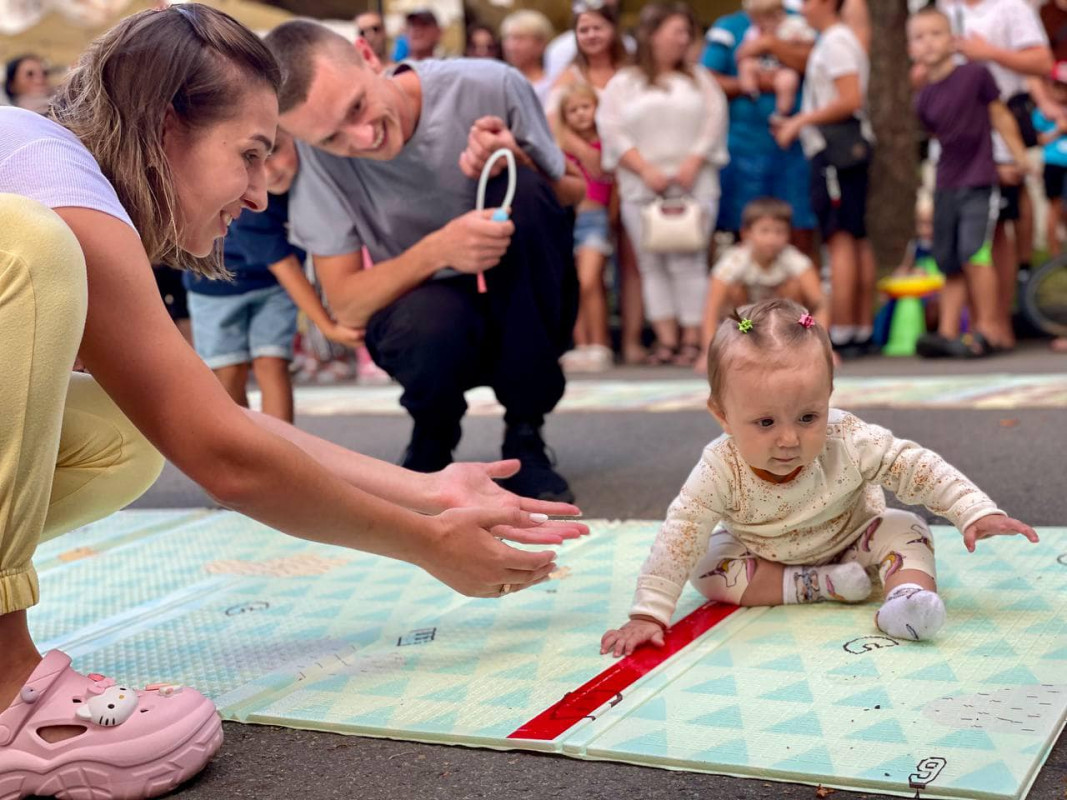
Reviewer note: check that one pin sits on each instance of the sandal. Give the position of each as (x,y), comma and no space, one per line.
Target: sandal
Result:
(688,355)
(970,345)
(132,743)
(660,355)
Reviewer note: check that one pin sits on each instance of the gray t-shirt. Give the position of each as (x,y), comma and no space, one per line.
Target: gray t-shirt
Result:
(42,160)
(339,204)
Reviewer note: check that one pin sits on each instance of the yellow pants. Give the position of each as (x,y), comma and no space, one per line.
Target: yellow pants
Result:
(68,455)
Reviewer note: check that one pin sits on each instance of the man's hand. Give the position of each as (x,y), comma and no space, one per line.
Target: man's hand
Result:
(472,485)
(786,131)
(654,179)
(487,135)
(995,525)
(466,551)
(634,633)
(975,48)
(688,172)
(344,335)
(473,242)
(1011,174)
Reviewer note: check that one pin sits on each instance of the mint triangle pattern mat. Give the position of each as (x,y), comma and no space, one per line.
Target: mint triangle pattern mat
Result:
(691,394)
(281,631)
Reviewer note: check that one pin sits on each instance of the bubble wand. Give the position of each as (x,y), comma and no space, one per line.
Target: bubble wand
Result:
(501,214)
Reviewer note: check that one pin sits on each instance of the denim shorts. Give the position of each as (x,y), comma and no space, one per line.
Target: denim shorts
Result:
(591,229)
(235,329)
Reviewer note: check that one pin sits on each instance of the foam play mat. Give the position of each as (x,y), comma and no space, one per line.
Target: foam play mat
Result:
(691,394)
(280,631)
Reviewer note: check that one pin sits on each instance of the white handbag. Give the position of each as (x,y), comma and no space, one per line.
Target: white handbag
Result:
(673,225)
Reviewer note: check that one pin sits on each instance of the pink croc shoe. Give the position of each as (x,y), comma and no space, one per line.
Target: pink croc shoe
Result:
(134,744)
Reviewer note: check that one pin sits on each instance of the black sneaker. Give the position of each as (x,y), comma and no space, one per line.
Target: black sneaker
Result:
(536,478)
(431,446)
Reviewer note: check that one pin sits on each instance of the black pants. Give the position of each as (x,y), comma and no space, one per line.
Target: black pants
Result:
(443,338)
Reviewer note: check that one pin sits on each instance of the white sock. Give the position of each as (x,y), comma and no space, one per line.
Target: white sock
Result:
(911,612)
(845,583)
(842,334)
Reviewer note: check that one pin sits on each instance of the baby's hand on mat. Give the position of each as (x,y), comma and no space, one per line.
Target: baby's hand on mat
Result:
(634,633)
(995,525)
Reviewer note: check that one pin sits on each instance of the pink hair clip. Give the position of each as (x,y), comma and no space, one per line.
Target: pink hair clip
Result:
(807,320)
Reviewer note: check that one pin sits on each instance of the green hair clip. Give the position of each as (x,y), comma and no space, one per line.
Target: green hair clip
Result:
(745,325)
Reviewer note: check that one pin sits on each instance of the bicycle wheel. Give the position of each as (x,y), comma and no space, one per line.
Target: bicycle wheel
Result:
(1045,298)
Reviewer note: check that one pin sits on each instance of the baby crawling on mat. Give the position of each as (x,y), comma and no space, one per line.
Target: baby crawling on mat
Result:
(787,505)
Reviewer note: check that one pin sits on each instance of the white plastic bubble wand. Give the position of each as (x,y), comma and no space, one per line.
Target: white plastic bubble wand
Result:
(501,214)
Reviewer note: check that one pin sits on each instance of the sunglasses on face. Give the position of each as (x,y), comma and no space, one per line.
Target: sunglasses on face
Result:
(370,29)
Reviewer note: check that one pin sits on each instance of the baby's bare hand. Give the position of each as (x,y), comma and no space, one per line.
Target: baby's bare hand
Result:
(995,525)
(634,633)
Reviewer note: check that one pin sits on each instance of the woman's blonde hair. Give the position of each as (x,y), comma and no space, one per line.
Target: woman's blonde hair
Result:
(577,89)
(188,59)
(771,327)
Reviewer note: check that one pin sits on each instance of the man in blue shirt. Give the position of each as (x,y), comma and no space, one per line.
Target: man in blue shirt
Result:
(758,167)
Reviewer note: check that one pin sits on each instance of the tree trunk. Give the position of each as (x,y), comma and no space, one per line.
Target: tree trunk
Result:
(894,174)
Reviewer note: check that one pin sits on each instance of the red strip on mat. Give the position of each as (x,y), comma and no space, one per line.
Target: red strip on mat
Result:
(611,683)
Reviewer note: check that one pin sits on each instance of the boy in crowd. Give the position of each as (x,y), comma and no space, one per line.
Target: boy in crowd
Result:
(250,322)
(1008,38)
(837,137)
(762,266)
(960,106)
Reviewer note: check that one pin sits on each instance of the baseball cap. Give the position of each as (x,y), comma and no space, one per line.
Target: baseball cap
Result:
(423,15)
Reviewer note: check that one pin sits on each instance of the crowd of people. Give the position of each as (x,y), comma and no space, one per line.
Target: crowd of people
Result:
(179,129)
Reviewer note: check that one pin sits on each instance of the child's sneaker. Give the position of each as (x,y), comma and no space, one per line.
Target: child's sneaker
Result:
(599,358)
(132,743)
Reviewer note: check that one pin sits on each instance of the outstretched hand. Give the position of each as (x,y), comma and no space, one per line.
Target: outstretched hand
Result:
(473,485)
(466,551)
(995,525)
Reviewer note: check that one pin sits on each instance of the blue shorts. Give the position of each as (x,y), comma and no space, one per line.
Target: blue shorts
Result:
(235,329)
(591,229)
(784,174)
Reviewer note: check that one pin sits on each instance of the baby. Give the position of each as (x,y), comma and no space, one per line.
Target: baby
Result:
(787,506)
(769,18)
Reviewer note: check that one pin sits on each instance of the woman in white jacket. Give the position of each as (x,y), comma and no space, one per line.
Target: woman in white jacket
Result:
(663,126)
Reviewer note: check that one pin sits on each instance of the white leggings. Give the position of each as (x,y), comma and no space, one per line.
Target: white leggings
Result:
(672,284)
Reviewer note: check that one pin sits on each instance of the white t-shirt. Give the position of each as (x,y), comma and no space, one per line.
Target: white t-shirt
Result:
(737,266)
(808,520)
(666,123)
(42,160)
(1008,24)
(837,53)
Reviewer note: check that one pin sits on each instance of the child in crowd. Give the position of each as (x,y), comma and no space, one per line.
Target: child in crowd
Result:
(592,237)
(251,321)
(762,266)
(960,105)
(787,505)
(1052,134)
(837,139)
(770,19)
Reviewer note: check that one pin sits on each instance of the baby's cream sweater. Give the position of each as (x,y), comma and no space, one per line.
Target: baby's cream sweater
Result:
(808,520)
